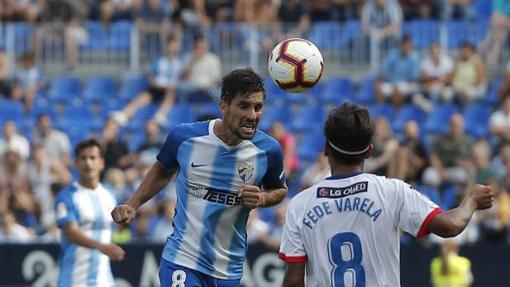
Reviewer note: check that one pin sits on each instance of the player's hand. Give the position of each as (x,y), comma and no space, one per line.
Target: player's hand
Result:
(252,196)
(123,213)
(482,195)
(115,252)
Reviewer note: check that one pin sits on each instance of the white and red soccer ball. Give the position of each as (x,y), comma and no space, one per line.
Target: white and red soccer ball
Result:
(295,65)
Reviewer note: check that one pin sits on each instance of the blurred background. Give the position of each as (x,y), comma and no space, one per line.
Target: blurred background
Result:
(434,75)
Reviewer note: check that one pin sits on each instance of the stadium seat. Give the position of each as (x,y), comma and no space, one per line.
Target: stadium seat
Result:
(11,110)
(461,31)
(132,85)
(405,114)
(476,120)
(366,92)
(273,114)
(78,112)
(120,36)
(99,88)
(438,120)
(483,10)
(208,109)
(23,37)
(137,122)
(326,35)
(181,113)
(382,110)
(308,118)
(310,146)
(423,32)
(337,90)
(492,96)
(64,89)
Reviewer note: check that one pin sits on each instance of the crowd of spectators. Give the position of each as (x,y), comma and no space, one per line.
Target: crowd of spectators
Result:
(36,164)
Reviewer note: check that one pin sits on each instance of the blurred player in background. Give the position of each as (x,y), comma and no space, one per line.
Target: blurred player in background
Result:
(344,230)
(225,168)
(83,213)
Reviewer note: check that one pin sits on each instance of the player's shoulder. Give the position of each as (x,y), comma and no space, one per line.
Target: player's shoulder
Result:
(265,142)
(300,200)
(67,192)
(182,132)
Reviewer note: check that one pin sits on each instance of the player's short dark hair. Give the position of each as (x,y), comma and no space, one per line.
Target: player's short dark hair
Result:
(87,144)
(241,82)
(350,129)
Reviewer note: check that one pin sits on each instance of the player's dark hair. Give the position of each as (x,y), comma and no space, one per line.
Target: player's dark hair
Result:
(241,82)
(349,128)
(87,144)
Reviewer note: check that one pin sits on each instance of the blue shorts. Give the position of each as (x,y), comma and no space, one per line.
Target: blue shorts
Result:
(171,275)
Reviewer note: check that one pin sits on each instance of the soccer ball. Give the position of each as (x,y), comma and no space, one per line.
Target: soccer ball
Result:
(295,65)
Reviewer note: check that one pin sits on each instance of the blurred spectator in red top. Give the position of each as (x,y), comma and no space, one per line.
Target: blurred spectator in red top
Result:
(288,144)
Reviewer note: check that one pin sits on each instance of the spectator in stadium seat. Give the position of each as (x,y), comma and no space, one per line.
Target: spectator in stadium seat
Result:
(12,140)
(202,70)
(55,142)
(500,122)
(385,149)
(450,156)
(153,140)
(151,12)
(116,151)
(411,157)
(13,232)
(449,268)
(436,68)
(193,15)
(496,37)
(468,80)
(318,171)
(417,9)
(294,19)
(481,171)
(382,22)
(5,85)
(164,78)
(115,180)
(45,175)
(288,143)
(75,35)
(256,19)
(457,9)
(28,79)
(399,74)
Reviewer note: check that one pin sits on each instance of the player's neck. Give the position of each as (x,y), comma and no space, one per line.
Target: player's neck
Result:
(337,169)
(224,134)
(89,183)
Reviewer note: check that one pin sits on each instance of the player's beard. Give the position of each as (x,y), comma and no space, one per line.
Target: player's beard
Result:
(237,131)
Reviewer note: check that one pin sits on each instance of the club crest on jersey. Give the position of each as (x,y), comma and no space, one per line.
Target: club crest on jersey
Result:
(337,192)
(245,170)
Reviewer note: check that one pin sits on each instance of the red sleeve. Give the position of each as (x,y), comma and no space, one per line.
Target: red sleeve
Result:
(292,259)
(424,229)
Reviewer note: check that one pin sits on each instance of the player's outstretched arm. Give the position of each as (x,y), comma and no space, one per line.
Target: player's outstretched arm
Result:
(452,222)
(75,236)
(157,178)
(295,275)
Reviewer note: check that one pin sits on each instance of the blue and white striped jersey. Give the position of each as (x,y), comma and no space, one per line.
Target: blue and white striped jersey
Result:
(210,220)
(90,209)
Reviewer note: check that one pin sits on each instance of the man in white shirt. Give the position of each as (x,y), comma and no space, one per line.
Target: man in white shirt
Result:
(435,69)
(14,141)
(500,121)
(344,230)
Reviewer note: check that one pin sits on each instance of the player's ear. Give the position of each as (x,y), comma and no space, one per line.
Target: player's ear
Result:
(370,150)
(223,106)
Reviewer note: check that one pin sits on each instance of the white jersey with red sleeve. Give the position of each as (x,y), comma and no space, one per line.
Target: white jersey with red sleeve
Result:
(346,229)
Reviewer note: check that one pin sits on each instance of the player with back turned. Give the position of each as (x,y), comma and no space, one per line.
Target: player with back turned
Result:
(225,167)
(344,230)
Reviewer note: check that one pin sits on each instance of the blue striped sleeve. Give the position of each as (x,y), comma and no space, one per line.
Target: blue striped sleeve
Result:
(275,175)
(65,209)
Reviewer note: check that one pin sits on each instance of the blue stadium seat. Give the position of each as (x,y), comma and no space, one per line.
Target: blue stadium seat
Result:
(476,119)
(326,35)
(310,146)
(461,31)
(405,114)
(181,113)
(431,193)
(366,92)
(132,85)
(99,88)
(483,10)
(120,36)
(137,122)
(438,120)
(11,110)
(72,112)
(492,96)
(212,109)
(64,89)
(23,37)
(308,118)
(423,32)
(337,90)
(275,95)
(275,113)
(382,110)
